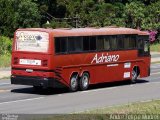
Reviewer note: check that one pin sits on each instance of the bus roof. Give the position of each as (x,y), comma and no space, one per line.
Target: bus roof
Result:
(61,32)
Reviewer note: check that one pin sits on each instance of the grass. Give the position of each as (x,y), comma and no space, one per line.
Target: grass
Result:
(155,47)
(5,60)
(5,78)
(137,110)
(152,107)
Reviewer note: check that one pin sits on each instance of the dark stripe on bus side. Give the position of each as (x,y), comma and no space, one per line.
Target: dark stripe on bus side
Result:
(34,69)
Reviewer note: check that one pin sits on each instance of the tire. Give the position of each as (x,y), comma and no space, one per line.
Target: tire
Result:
(84,81)
(74,83)
(134,76)
(37,88)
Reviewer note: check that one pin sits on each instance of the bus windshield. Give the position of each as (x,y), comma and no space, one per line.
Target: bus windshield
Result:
(32,41)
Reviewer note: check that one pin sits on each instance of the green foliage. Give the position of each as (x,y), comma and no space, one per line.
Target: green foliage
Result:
(152,17)
(5,45)
(17,13)
(14,14)
(134,14)
(5,60)
(98,13)
(55,24)
(144,14)
(28,14)
(145,108)
(155,47)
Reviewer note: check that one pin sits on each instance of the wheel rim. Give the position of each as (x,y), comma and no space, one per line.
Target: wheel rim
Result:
(134,75)
(73,83)
(85,81)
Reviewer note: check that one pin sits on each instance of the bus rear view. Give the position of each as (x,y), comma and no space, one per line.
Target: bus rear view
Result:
(31,58)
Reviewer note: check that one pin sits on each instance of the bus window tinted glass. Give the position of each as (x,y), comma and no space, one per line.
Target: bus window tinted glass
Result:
(113,41)
(100,43)
(120,41)
(93,43)
(74,44)
(126,42)
(61,45)
(132,42)
(106,43)
(146,46)
(86,43)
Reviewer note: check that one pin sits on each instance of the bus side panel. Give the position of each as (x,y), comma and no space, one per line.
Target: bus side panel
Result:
(99,72)
(107,73)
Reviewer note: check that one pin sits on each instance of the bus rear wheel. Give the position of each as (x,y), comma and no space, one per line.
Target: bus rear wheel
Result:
(74,83)
(37,88)
(84,81)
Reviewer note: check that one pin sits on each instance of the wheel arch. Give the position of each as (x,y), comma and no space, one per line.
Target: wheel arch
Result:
(84,71)
(74,73)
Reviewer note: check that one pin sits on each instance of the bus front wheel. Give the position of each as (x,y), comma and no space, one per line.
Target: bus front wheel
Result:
(74,83)
(134,76)
(84,81)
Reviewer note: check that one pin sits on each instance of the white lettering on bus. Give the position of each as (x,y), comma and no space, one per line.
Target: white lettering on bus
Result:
(105,58)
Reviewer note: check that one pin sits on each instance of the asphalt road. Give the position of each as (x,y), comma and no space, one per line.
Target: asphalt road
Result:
(24,99)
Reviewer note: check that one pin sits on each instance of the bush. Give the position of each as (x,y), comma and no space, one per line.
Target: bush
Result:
(5,60)
(5,45)
(158,38)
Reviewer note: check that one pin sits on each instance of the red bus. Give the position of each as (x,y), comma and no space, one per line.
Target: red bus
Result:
(79,57)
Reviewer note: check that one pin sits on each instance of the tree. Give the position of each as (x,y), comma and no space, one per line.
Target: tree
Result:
(134,14)
(103,14)
(17,13)
(152,17)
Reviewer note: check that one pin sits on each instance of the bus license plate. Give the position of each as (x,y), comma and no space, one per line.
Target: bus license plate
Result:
(29,62)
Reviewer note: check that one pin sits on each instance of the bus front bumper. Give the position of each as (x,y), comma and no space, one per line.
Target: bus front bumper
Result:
(35,81)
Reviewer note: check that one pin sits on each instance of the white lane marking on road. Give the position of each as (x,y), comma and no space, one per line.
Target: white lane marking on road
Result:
(155,78)
(157,66)
(1,84)
(155,73)
(3,90)
(21,100)
(101,89)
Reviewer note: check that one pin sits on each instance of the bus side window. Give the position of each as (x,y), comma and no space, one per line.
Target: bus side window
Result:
(143,45)
(146,46)
(140,44)
(132,42)
(85,43)
(75,44)
(113,41)
(127,42)
(107,43)
(61,45)
(100,43)
(92,43)
(120,42)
